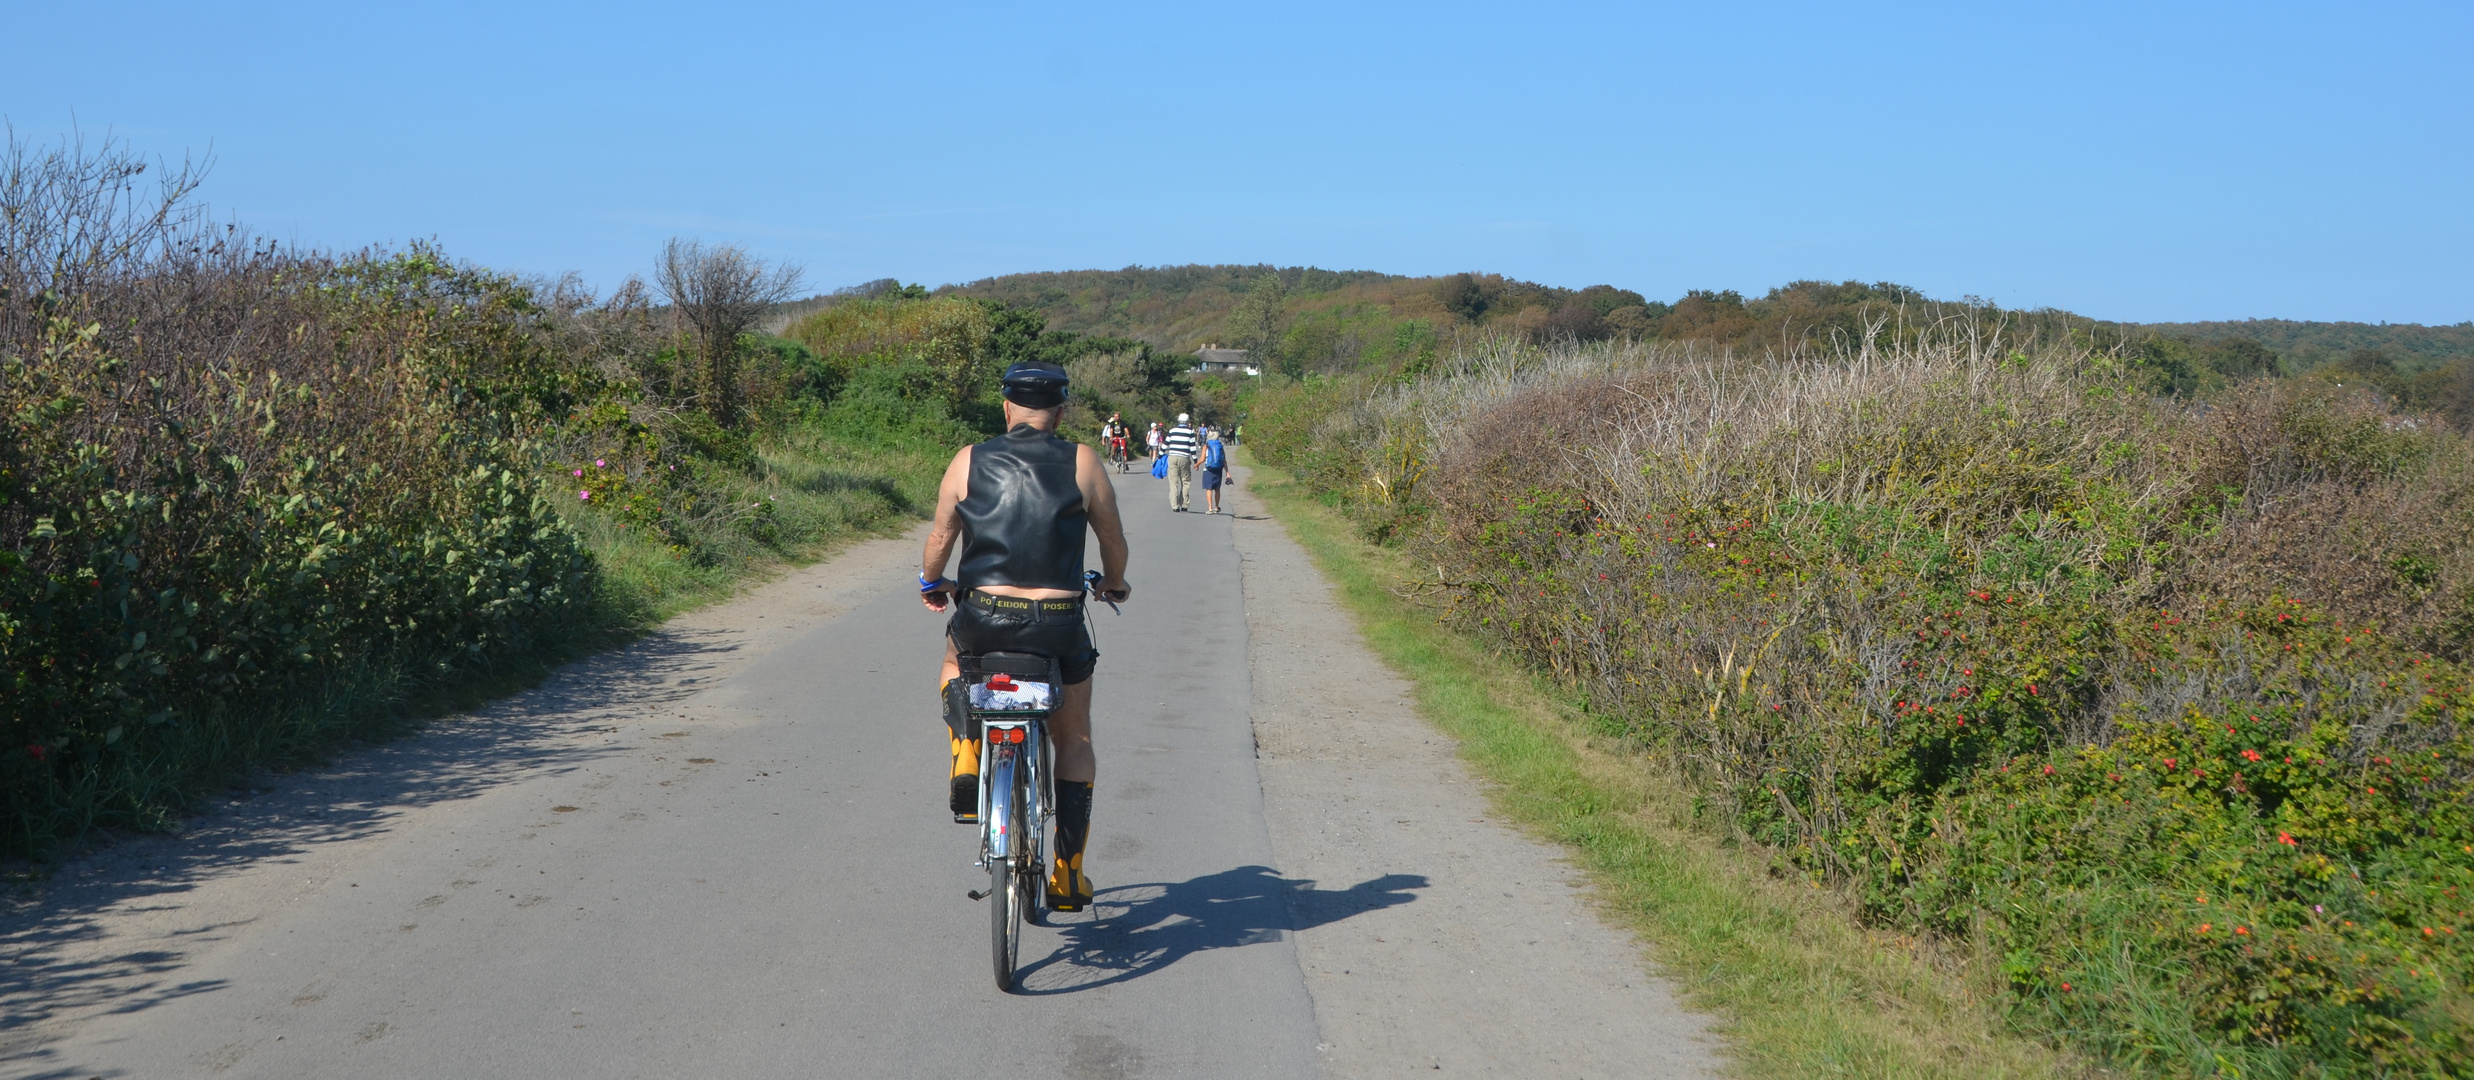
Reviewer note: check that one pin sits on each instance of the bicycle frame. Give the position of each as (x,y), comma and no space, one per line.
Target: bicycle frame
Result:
(1006,768)
(1014,801)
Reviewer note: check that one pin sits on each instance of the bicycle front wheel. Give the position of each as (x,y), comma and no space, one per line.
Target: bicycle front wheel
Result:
(1005,893)
(1005,900)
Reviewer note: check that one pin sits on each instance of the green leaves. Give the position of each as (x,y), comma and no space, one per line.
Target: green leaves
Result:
(199,538)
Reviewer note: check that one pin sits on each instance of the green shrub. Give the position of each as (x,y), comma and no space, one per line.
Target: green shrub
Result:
(307,468)
(256,501)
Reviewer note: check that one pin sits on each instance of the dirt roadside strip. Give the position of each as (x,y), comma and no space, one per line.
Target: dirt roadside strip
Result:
(1500,967)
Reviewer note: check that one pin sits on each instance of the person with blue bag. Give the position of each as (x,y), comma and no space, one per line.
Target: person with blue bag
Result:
(1215,466)
(1183,445)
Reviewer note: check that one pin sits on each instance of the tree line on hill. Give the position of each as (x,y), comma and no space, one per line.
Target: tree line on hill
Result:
(1300,321)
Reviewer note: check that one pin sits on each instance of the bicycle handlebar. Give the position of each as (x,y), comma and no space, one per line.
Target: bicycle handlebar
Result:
(1091,584)
(946,587)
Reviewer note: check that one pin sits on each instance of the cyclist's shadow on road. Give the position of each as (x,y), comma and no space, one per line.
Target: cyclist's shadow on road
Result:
(1133,930)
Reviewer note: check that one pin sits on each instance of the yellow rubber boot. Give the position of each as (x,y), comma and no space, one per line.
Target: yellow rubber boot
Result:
(1068,889)
(965,798)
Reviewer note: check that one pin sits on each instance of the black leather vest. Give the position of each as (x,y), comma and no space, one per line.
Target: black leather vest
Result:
(1023,521)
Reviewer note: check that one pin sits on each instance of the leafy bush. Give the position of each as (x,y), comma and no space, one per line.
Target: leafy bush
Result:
(2161,704)
(253,500)
(940,345)
(232,474)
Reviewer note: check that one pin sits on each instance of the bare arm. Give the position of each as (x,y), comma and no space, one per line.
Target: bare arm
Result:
(945,529)
(1099,497)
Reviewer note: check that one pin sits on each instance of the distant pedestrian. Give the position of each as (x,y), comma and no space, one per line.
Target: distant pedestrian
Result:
(1215,465)
(1182,446)
(1151,439)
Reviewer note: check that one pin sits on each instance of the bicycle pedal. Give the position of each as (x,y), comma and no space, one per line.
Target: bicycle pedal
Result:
(966,819)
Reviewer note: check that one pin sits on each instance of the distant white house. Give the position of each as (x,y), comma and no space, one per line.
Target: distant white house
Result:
(1214,360)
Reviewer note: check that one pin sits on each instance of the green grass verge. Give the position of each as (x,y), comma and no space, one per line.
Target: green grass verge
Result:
(1800,988)
(820,492)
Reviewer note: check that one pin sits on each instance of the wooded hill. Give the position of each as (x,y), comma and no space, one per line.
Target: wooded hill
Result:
(1338,319)
(1305,320)
(2306,345)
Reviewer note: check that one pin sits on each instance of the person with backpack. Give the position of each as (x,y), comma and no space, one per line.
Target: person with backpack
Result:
(1215,466)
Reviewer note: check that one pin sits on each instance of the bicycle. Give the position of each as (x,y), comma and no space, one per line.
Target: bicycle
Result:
(1015,792)
(1119,456)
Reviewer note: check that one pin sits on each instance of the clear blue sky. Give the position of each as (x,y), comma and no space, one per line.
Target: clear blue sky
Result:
(2145,161)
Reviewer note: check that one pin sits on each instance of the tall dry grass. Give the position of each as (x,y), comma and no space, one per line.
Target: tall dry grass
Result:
(2014,651)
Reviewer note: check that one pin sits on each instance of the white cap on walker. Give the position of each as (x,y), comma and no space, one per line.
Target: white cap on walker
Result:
(1181,418)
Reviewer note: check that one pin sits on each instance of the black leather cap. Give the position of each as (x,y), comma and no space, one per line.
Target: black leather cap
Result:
(1035,384)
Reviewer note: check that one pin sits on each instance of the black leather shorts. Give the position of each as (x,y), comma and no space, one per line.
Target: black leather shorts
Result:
(1061,634)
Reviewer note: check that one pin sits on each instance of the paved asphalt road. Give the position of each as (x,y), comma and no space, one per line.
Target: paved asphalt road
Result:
(723,852)
(762,881)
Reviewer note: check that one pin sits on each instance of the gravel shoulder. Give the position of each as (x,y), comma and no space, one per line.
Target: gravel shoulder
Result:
(1500,967)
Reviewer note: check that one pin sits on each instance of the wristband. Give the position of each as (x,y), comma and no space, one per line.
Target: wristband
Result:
(926,586)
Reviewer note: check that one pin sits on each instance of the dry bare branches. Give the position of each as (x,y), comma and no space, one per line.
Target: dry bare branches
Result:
(719,292)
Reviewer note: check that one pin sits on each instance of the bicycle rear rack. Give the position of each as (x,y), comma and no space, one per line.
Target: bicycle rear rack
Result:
(998,832)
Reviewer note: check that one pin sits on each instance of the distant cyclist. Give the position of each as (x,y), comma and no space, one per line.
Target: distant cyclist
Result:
(1115,436)
(1018,505)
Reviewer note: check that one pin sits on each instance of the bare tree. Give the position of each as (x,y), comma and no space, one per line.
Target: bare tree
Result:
(718,292)
(74,214)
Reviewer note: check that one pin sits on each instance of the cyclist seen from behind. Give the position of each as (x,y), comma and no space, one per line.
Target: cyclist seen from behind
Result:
(1018,505)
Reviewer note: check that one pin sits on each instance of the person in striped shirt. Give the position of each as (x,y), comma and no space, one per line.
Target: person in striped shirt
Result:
(1182,446)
